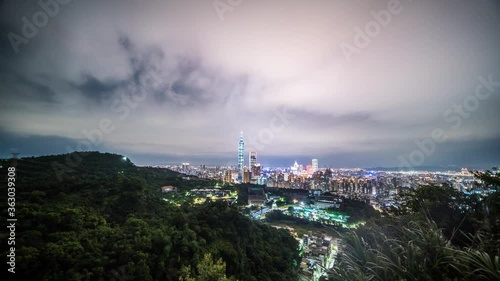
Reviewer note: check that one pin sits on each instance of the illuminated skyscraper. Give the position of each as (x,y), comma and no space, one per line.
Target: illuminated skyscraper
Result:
(252,158)
(295,168)
(314,165)
(241,160)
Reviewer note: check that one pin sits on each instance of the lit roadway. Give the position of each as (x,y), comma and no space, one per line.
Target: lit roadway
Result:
(259,213)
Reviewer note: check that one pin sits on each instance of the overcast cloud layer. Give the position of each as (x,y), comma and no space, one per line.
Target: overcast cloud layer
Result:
(206,76)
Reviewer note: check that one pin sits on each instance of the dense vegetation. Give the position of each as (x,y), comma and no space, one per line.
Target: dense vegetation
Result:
(407,249)
(100,217)
(442,234)
(356,210)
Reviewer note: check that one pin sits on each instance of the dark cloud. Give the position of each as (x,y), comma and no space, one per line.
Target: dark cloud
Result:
(188,83)
(36,89)
(124,41)
(146,75)
(6,49)
(182,88)
(141,61)
(97,90)
(187,66)
(23,87)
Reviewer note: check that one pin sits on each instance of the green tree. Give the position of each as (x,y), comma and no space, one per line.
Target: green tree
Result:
(447,207)
(206,270)
(490,212)
(492,180)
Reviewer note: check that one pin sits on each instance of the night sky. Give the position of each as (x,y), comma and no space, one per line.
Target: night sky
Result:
(177,81)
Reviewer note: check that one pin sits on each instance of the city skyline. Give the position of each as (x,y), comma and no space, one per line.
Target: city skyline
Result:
(375,84)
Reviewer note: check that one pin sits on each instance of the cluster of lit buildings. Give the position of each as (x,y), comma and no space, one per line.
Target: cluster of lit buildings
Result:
(253,173)
(245,174)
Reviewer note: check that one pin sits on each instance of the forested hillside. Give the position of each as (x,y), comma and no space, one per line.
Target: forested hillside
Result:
(101,218)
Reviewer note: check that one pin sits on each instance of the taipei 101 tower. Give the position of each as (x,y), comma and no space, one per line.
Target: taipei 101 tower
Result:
(241,161)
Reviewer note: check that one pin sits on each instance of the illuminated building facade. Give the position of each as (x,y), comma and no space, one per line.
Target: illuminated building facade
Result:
(255,170)
(315,165)
(241,160)
(295,168)
(228,178)
(252,158)
(247,175)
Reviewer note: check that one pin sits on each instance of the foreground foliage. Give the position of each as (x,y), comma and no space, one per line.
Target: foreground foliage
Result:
(444,235)
(411,250)
(206,270)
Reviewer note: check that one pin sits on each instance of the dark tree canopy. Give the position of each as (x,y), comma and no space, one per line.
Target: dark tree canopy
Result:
(106,220)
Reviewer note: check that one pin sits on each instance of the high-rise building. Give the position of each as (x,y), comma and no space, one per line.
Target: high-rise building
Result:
(255,170)
(295,168)
(228,176)
(252,158)
(241,160)
(309,169)
(314,165)
(247,175)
